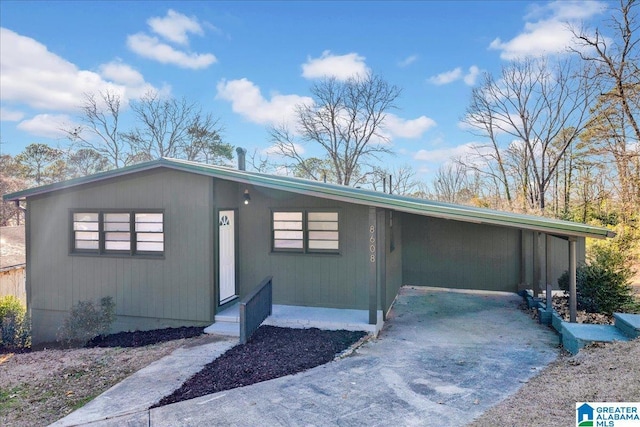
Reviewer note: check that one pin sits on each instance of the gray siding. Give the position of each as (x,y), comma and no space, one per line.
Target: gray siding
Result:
(394,259)
(454,254)
(323,280)
(148,292)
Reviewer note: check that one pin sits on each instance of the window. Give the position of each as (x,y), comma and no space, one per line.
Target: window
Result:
(323,230)
(287,230)
(86,231)
(306,231)
(118,232)
(149,232)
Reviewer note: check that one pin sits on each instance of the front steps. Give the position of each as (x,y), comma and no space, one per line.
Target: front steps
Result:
(227,322)
(574,336)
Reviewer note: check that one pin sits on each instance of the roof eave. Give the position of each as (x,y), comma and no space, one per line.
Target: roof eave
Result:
(349,195)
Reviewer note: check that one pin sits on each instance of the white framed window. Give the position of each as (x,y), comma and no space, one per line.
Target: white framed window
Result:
(288,232)
(117,232)
(305,231)
(86,231)
(149,228)
(323,233)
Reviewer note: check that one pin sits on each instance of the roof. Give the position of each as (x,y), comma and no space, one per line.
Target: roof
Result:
(341,193)
(12,248)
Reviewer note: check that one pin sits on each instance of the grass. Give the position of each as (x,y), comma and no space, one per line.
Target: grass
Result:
(11,397)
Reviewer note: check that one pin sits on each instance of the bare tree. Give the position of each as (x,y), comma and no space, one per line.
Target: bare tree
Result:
(613,63)
(544,106)
(345,121)
(168,127)
(86,162)
(100,132)
(616,60)
(10,180)
(399,180)
(453,184)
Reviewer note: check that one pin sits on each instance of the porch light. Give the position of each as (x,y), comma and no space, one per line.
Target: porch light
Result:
(247,197)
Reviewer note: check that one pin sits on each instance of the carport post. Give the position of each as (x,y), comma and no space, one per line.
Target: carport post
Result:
(573,302)
(539,261)
(373,268)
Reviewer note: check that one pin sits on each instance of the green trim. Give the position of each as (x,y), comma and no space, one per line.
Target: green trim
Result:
(342,193)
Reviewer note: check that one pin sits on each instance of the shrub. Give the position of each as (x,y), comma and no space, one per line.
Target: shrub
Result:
(603,284)
(15,325)
(86,321)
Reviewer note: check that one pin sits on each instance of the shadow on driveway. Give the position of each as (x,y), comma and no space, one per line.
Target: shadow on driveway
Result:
(443,358)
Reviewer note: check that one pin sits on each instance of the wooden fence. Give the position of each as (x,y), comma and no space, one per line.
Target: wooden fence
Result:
(12,282)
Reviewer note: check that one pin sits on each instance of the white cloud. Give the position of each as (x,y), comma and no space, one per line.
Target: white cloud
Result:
(32,75)
(46,125)
(247,100)
(549,32)
(342,67)
(443,155)
(121,73)
(152,48)
(446,77)
(175,27)
(7,115)
(408,61)
(471,77)
(274,151)
(404,128)
(455,75)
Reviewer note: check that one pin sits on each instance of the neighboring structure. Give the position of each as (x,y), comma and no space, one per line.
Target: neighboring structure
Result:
(175,242)
(12,262)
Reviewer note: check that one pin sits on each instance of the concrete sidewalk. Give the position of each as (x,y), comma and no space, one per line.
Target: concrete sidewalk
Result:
(443,358)
(146,387)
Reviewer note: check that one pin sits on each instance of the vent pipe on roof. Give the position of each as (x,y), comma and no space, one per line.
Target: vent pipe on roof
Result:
(242,163)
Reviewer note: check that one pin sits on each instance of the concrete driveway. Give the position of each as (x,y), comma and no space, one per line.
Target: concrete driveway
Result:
(442,359)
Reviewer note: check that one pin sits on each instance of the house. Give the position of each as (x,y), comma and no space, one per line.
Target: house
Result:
(175,242)
(585,413)
(12,262)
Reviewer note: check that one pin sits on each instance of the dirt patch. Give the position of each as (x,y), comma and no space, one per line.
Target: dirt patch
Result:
(599,373)
(40,387)
(271,353)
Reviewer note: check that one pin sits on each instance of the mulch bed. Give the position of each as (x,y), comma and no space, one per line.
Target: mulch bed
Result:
(272,352)
(561,306)
(143,338)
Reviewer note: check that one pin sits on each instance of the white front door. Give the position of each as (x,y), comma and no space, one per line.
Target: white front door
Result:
(227,255)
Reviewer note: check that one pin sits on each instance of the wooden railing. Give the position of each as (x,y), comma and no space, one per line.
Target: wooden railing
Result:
(254,308)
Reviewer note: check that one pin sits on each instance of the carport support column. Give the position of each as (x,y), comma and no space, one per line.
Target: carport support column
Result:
(539,261)
(573,265)
(373,268)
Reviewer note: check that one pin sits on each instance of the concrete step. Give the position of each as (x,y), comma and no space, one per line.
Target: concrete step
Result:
(577,335)
(629,324)
(230,329)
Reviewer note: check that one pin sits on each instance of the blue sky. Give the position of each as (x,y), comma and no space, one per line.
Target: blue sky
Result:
(250,63)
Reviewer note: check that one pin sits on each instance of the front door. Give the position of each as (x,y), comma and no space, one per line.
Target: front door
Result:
(227,256)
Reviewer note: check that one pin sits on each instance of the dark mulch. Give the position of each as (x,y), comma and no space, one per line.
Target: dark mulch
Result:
(10,349)
(272,352)
(143,338)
